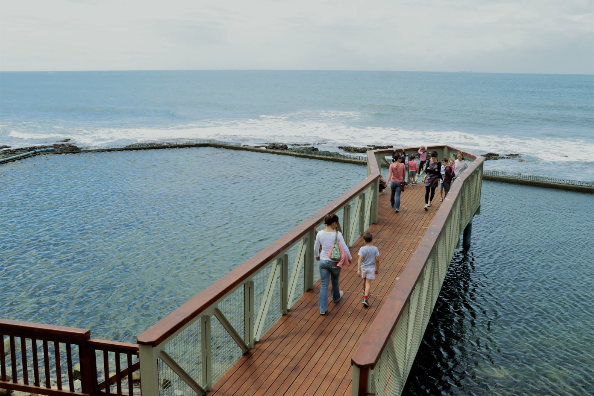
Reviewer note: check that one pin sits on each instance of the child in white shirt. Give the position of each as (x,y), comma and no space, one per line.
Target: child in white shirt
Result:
(368,266)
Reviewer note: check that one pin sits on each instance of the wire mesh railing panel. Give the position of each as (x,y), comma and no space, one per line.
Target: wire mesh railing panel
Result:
(389,375)
(170,384)
(260,280)
(296,267)
(232,307)
(224,350)
(275,311)
(186,349)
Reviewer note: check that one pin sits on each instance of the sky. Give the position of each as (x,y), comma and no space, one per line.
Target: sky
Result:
(505,36)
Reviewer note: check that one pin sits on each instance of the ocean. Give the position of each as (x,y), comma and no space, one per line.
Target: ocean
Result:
(547,119)
(94,240)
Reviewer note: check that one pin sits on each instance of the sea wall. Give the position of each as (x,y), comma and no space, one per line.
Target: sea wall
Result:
(302,151)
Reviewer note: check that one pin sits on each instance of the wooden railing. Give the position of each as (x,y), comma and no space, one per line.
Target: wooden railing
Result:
(55,360)
(383,360)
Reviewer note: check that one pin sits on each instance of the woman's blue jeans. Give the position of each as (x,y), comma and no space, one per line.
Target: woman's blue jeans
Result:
(328,270)
(395,186)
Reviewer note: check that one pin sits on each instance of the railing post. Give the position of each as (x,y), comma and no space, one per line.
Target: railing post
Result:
(346,224)
(362,214)
(375,202)
(206,352)
(88,369)
(149,370)
(284,279)
(308,270)
(248,313)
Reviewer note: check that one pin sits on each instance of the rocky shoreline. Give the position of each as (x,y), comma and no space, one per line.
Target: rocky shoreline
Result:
(65,147)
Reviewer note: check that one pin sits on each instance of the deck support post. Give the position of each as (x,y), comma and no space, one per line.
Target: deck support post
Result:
(308,270)
(360,381)
(467,236)
(206,352)
(346,225)
(248,313)
(149,370)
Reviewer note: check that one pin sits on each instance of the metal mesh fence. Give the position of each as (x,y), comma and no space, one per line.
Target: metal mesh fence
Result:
(393,366)
(185,349)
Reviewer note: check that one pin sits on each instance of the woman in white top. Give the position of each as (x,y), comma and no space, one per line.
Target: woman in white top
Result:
(460,165)
(328,269)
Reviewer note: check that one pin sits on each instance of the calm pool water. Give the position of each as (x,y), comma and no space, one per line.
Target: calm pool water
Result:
(515,315)
(115,241)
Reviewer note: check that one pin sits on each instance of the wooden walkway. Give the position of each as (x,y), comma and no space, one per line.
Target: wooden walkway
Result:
(305,353)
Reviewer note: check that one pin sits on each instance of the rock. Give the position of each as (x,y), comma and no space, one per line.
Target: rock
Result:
(63,141)
(307,150)
(491,156)
(277,146)
(350,149)
(136,377)
(165,383)
(512,155)
(76,372)
(4,147)
(6,391)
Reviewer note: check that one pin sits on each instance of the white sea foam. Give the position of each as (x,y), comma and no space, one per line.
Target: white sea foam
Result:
(326,128)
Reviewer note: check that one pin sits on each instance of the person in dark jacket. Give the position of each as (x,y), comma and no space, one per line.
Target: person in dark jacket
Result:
(432,180)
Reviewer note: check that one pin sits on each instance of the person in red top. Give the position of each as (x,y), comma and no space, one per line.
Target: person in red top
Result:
(396,179)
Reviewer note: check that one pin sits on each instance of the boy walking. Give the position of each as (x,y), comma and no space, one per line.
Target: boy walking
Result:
(368,266)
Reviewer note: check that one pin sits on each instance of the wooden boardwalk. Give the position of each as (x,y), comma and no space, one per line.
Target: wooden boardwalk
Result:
(305,353)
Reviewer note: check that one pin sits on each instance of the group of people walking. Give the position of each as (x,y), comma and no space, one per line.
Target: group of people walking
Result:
(330,248)
(434,174)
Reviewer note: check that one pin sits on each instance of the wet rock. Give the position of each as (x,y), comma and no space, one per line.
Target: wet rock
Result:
(4,147)
(491,156)
(63,141)
(513,155)
(307,150)
(351,149)
(277,146)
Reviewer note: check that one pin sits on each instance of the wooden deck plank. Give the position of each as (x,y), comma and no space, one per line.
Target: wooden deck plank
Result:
(306,353)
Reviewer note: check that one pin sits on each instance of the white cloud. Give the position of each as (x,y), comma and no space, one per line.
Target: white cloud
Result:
(448,35)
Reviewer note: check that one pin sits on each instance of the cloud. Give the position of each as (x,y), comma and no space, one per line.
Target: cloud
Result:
(446,35)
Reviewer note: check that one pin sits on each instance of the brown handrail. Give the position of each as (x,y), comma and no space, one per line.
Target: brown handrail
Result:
(378,333)
(43,331)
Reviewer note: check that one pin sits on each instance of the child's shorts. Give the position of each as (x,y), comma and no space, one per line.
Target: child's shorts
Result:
(441,185)
(412,174)
(368,273)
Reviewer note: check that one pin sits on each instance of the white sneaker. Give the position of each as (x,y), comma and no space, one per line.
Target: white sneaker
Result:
(429,205)
(341,294)
(426,207)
